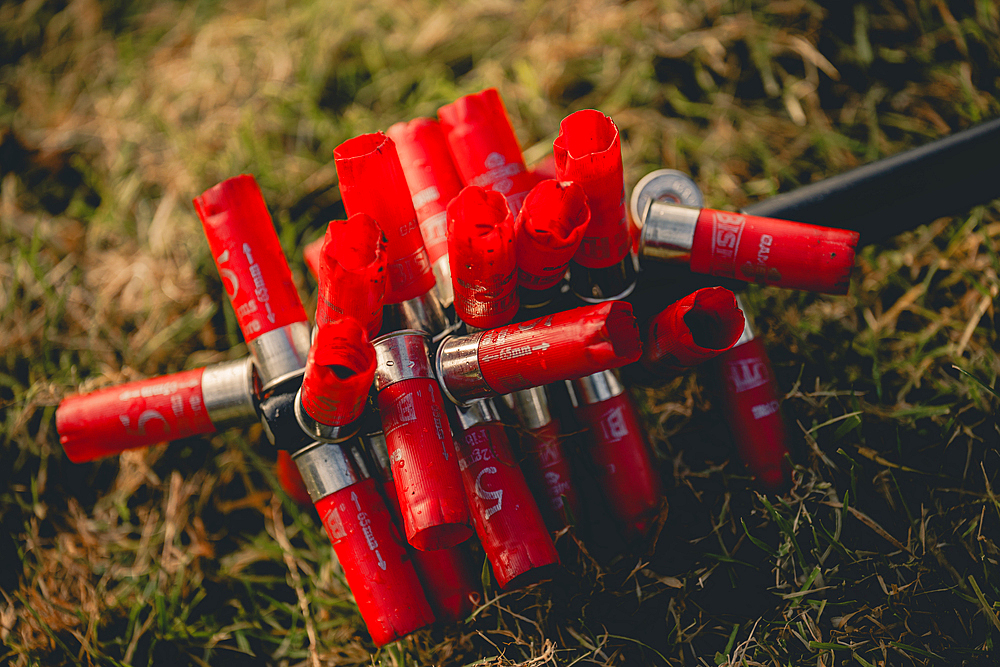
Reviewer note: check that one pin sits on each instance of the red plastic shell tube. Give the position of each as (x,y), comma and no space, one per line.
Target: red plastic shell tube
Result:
(311,254)
(484,147)
(618,450)
(291,479)
(688,332)
(507,519)
(424,466)
(773,252)
(251,262)
(564,345)
(548,232)
(431,177)
(352,273)
(372,182)
(450,584)
(549,472)
(138,414)
(751,404)
(419,440)
(376,564)
(588,151)
(339,372)
(482,257)
(133,415)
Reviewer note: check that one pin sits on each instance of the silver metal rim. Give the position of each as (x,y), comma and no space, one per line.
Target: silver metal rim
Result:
(228,392)
(422,313)
(617,297)
(442,281)
(320,431)
(401,355)
(281,353)
(595,388)
(531,407)
(325,469)
(458,369)
(481,411)
(664,183)
(668,231)
(748,333)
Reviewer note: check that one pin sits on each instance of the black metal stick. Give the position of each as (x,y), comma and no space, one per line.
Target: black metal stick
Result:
(878,200)
(891,195)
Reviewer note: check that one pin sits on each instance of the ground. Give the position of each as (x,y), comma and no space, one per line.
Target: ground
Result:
(114,115)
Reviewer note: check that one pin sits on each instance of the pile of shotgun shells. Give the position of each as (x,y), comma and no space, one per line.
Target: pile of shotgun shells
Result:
(466,373)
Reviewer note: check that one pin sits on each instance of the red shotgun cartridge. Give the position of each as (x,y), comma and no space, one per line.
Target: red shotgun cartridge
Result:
(547,234)
(339,372)
(508,522)
(561,346)
(367,542)
(372,182)
(352,271)
(746,247)
(256,277)
(628,479)
(311,253)
(588,151)
(751,404)
(424,465)
(665,185)
(482,257)
(139,414)
(688,332)
(484,147)
(291,479)
(451,585)
(546,466)
(433,182)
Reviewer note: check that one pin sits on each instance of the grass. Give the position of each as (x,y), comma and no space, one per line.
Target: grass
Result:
(113,115)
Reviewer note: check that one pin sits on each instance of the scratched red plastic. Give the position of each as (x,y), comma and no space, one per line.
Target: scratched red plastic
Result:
(750,401)
(484,147)
(549,473)
(618,450)
(424,464)
(372,182)
(482,257)
(562,346)
(291,479)
(339,372)
(137,414)
(251,262)
(507,519)
(773,252)
(352,273)
(430,176)
(375,561)
(702,325)
(548,232)
(588,151)
(449,582)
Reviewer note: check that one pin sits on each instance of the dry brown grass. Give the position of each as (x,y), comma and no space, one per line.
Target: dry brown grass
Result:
(113,116)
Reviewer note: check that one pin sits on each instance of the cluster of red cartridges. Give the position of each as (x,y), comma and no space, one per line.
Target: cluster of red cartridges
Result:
(418,409)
